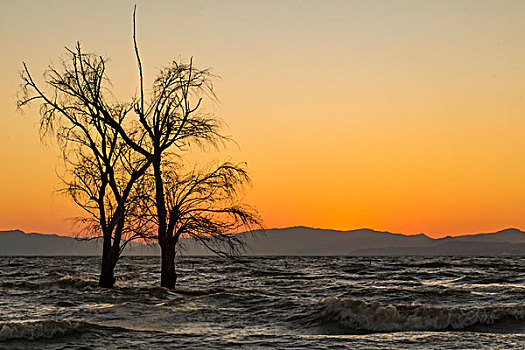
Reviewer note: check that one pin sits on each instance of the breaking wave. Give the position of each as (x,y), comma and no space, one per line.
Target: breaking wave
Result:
(66,282)
(42,329)
(71,282)
(359,315)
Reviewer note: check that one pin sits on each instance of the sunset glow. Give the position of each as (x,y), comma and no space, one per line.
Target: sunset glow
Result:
(398,116)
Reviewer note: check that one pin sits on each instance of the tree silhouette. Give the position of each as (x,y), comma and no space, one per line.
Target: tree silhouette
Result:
(169,122)
(102,172)
(124,160)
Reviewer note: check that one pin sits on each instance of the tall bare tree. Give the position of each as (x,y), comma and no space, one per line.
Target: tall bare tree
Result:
(102,172)
(170,121)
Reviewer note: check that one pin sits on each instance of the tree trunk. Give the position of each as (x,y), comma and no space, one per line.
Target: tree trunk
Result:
(167,246)
(107,274)
(168,277)
(107,277)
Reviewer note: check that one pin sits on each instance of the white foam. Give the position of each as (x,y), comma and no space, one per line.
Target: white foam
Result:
(381,317)
(39,329)
(71,282)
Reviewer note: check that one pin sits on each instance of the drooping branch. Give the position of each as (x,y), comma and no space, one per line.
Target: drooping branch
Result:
(205,206)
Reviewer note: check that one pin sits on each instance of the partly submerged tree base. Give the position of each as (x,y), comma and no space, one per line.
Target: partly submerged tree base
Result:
(168,276)
(107,272)
(106,281)
(169,282)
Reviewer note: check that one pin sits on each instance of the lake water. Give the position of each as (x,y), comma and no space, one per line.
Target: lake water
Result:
(265,302)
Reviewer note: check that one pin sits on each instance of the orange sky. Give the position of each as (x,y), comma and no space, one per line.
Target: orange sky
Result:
(405,116)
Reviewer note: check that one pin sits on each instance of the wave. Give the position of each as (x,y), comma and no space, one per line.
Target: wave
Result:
(127,276)
(359,315)
(199,292)
(66,282)
(71,282)
(42,329)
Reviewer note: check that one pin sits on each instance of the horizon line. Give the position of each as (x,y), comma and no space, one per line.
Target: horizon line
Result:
(71,235)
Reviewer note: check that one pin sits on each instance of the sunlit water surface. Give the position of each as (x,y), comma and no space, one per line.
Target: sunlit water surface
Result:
(273,302)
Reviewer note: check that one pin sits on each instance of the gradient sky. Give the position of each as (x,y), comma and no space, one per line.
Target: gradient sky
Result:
(406,116)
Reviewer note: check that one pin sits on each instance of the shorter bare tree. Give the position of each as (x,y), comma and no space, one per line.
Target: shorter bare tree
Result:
(111,195)
(103,174)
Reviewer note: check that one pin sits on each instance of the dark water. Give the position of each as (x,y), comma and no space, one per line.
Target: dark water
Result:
(310,302)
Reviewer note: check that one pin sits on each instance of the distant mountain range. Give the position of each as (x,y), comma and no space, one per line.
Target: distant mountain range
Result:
(292,241)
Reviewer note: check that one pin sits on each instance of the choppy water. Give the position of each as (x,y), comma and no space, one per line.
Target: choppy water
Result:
(297,302)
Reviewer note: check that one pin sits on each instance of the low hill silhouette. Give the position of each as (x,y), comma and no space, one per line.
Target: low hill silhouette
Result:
(292,241)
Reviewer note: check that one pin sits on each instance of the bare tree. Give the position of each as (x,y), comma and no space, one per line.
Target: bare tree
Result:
(102,172)
(170,121)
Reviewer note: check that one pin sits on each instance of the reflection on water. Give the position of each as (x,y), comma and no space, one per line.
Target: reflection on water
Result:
(314,302)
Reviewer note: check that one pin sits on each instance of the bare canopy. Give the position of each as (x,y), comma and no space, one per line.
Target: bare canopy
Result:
(125,161)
